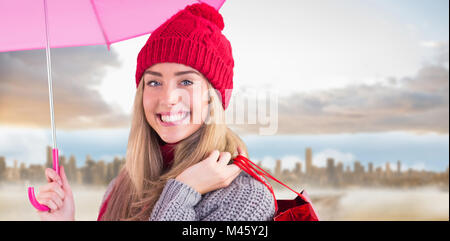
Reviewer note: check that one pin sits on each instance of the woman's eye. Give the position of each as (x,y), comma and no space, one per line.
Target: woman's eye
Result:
(186,82)
(152,83)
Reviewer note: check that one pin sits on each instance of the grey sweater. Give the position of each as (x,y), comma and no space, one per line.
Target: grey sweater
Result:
(245,199)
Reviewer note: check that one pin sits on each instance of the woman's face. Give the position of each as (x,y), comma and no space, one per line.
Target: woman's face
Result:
(175,100)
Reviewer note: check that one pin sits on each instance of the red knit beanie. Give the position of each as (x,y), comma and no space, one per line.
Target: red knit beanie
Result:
(192,37)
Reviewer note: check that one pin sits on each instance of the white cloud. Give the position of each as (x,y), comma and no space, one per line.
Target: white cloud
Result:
(110,157)
(288,162)
(320,159)
(297,43)
(24,89)
(27,145)
(118,87)
(434,44)
(418,166)
(266,162)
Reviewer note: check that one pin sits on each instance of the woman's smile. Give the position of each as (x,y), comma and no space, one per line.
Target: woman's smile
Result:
(167,119)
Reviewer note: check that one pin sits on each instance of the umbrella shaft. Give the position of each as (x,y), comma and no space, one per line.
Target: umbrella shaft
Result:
(49,76)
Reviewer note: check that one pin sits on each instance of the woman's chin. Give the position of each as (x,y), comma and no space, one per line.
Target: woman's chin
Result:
(171,138)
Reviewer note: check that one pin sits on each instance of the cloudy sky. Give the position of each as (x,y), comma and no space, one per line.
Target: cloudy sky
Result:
(337,67)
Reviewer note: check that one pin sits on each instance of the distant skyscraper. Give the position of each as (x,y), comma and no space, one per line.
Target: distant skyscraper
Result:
(330,170)
(330,164)
(308,160)
(298,169)
(399,167)
(358,168)
(388,169)
(339,168)
(278,168)
(370,167)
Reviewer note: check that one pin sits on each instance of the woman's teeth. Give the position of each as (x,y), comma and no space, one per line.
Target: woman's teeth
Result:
(173,118)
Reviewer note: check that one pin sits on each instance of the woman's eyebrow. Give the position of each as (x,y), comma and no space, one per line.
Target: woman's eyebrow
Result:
(176,74)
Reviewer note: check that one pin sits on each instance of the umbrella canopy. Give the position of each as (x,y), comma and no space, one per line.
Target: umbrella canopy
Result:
(38,24)
(82,22)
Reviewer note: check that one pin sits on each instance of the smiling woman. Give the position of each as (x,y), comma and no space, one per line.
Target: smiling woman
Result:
(175,157)
(169,116)
(179,160)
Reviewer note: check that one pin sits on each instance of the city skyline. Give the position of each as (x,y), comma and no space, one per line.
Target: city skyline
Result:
(334,174)
(427,151)
(308,162)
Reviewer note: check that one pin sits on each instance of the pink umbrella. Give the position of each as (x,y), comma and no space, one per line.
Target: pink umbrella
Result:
(33,24)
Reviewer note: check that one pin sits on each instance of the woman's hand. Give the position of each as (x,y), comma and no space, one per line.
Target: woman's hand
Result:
(212,173)
(56,195)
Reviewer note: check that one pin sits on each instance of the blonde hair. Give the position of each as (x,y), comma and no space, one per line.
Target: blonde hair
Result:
(140,182)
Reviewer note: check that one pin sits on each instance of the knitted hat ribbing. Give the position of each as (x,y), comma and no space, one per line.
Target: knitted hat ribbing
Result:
(192,37)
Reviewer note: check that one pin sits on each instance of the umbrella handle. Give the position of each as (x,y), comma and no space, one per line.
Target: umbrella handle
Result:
(31,195)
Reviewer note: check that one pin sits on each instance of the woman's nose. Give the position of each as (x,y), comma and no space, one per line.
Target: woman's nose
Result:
(171,95)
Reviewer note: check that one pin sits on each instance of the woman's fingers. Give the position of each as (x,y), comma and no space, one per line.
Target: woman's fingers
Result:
(224,158)
(233,173)
(50,199)
(53,187)
(49,203)
(232,170)
(52,176)
(213,156)
(241,151)
(65,182)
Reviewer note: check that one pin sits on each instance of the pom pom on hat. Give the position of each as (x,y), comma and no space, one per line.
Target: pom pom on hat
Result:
(207,12)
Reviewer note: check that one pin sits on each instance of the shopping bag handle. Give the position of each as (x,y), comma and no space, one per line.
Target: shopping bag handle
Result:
(250,165)
(31,195)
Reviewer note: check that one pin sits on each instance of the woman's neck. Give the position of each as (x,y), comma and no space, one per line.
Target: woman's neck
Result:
(163,143)
(167,151)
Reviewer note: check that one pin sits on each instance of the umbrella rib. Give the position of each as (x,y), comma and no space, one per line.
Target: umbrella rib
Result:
(100,24)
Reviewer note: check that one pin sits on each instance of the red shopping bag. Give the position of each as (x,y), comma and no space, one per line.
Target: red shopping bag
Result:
(298,209)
